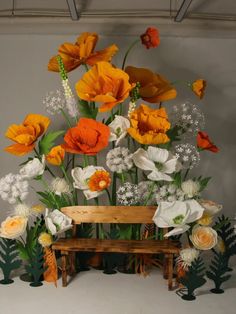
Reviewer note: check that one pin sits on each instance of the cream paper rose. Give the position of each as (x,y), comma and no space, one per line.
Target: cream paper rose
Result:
(203,238)
(13,227)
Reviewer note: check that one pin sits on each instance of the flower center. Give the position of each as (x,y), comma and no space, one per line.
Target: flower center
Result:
(159,166)
(178,219)
(118,131)
(102,184)
(99,181)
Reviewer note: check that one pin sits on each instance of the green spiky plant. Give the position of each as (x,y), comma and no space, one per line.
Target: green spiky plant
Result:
(193,279)
(36,266)
(226,232)
(217,270)
(8,259)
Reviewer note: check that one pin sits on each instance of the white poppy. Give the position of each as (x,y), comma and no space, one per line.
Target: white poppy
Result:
(177,214)
(56,222)
(159,161)
(33,168)
(81,178)
(118,128)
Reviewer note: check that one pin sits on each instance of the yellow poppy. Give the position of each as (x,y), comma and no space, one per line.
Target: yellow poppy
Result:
(56,155)
(154,87)
(82,52)
(149,126)
(105,84)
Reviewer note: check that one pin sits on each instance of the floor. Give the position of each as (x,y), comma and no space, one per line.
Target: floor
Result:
(96,293)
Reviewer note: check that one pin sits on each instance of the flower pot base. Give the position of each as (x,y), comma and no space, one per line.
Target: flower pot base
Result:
(6,281)
(109,272)
(36,284)
(26,278)
(217,291)
(187,297)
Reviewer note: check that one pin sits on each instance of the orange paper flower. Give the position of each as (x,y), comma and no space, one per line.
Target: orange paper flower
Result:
(99,181)
(149,126)
(82,52)
(199,87)
(154,87)
(26,134)
(56,155)
(88,137)
(204,142)
(104,84)
(150,39)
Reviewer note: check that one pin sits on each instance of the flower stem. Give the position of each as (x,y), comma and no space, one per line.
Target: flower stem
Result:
(109,196)
(128,51)
(66,118)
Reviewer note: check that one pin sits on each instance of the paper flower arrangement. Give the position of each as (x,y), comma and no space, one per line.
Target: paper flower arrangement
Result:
(120,145)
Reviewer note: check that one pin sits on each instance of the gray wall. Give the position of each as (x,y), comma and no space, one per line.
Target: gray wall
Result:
(209,53)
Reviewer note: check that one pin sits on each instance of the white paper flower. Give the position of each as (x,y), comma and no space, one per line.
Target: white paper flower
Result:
(71,106)
(190,188)
(159,161)
(13,187)
(119,160)
(60,186)
(118,128)
(128,194)
(187,155)
(33,168)
(178,215)
(187,256)
(54,102)
(91,180)
(56,222)
(144,188)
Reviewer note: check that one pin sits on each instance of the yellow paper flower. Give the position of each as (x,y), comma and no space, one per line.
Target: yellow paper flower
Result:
(38,209)
(205,220)
(203,237)
(82,52)
(104,84)
(56,155)
(26,134)
(199,87)
(13,227)
(149,126)
(45,239)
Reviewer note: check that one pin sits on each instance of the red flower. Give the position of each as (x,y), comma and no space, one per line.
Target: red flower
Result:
(150,39)
(205,143)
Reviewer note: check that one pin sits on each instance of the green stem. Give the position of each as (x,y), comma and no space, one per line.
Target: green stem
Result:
(122,178)
(66,118)
(150,193)
(47,187)
(86,161)
(114,189)
(86,67)
(109,196)
(70,184)
(186,173)
(128,51)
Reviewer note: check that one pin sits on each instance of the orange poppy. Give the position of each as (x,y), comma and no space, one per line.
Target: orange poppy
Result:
(154,88)
(26,134)
(150,39)
(99,181)
(204,142)
(82,52)
(105,84)
(56,155)
(149,126)
(88,137)
(199,87)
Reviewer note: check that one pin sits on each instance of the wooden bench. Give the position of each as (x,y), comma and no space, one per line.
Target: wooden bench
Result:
(117,215)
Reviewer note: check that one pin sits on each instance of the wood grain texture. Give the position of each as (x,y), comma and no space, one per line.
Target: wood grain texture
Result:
(119,246)
(110,214)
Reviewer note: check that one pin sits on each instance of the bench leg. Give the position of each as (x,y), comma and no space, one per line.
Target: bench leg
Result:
(72,257)
(64,270)
(170,271)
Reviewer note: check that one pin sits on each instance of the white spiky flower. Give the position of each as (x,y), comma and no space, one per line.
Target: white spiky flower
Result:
(60,186)
(119,160)
(22,209)
(187,256)
(54,102)
(128,194)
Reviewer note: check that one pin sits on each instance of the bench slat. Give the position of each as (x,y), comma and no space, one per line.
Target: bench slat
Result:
(110,214)
(118,246)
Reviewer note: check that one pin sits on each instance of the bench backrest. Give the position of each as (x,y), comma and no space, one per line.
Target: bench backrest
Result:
(110,214)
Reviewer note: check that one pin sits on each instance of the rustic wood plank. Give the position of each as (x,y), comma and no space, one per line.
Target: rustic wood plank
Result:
(110,214)
(121,246)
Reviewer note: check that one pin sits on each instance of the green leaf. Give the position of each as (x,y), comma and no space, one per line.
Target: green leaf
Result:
(203,183)
(178,179)
(86,111)
(48,141)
